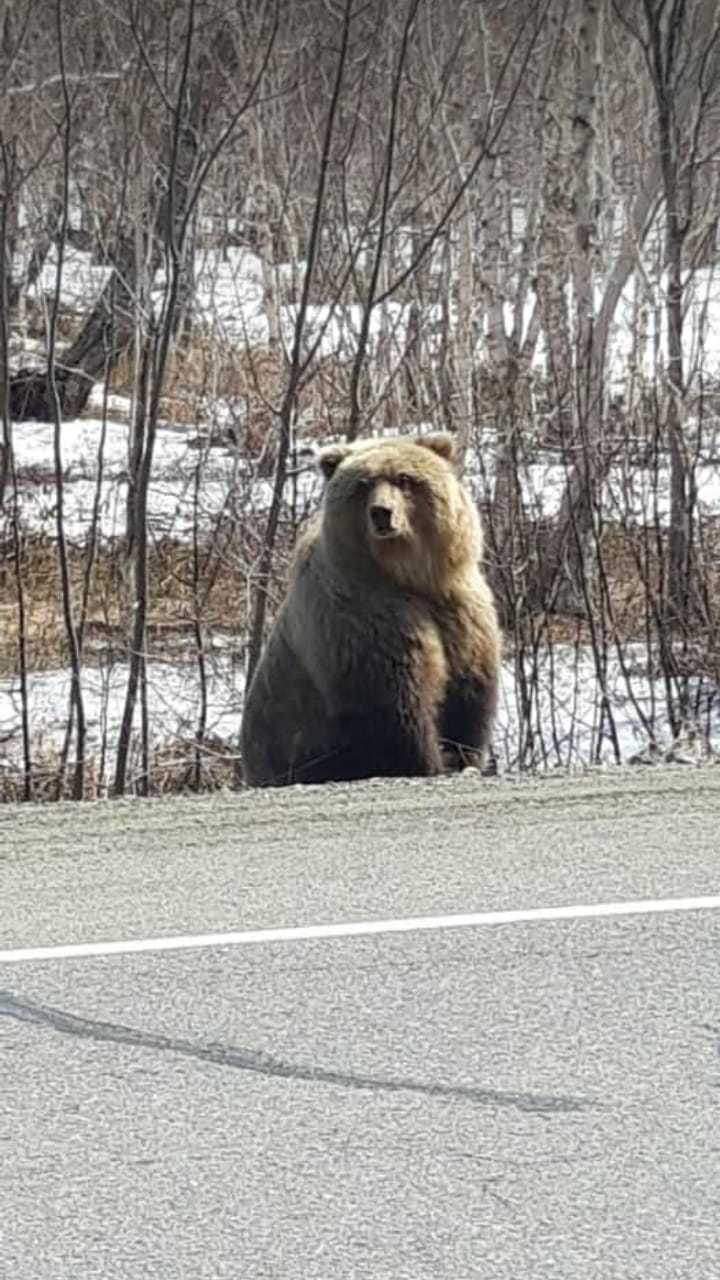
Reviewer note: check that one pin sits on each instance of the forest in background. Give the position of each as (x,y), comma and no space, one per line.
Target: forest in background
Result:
(259,225)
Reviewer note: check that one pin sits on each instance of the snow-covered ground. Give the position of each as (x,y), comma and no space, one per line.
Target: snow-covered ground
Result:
(564,721)
(172,500)
(176,501)
(234,290)
(565,717)
(173,706)
(81,280)
(231,301)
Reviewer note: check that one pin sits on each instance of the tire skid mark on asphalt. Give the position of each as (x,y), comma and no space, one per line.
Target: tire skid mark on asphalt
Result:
(265,1064)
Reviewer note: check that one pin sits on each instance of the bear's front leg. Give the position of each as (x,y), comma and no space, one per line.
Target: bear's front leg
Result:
(467,720)
(403,731)
(382,682)
(398,741)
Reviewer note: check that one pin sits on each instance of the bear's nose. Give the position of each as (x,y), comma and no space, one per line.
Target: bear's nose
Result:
(381,518)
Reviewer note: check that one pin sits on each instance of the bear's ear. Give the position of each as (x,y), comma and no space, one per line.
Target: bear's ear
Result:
(441,442)
(329,459)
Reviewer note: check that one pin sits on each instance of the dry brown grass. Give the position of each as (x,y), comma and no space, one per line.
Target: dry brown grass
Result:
(173,606)
(196,371)
(204,372)
(181,765)
(627,601)
(632,560)
(632,566)
(174,768)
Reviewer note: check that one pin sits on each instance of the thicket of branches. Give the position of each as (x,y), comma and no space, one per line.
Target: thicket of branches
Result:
(448,210)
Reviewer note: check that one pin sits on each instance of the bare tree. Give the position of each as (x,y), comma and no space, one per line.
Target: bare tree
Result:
(183,183)
(681,46)
(297,362)
(571,546)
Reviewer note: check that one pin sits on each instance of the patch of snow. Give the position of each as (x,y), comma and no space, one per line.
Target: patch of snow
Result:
(79,443)
(177,503)
(631,494)
(568,724)
(115,403)
(635,494)
(637,339)
(229,298)
(568,728)
(173,706)
(81,280)
(230,301)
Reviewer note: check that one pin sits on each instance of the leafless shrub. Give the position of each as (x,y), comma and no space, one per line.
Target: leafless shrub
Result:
(298,223)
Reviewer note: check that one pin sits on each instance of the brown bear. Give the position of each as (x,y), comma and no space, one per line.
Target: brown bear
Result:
(384,657)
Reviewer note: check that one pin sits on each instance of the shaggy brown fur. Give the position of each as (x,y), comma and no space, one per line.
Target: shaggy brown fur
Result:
(384,657)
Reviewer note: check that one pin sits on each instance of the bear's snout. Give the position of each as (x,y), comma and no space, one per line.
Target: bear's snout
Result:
(386,514)
(381,519)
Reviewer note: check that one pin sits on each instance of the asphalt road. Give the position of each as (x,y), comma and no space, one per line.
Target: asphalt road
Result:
(536,1099)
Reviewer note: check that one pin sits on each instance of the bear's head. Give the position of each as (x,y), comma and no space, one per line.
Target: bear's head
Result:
(399,505)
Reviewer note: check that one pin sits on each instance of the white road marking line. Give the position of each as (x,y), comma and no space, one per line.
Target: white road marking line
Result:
(361,928)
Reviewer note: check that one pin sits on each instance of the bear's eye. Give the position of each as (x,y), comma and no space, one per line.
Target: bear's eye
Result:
(405,483)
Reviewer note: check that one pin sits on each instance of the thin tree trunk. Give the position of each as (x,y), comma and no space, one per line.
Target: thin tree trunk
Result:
(589,65)
(77,706)
(354,415)
(574,525)
(678,584)
(8,202)
(8,477)
(172,218)
(568,566)
(288,406)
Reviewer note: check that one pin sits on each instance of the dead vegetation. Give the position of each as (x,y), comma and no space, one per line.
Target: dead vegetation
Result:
(234,393)
(181,766)
(178,605)
(626,595)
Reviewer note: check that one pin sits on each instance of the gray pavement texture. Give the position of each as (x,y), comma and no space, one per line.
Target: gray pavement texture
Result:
(533,1100)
